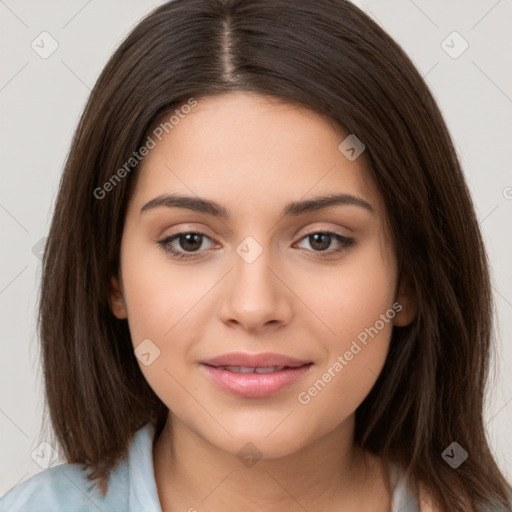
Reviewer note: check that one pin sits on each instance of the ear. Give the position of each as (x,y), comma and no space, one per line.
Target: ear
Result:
(408,302)
(117,304)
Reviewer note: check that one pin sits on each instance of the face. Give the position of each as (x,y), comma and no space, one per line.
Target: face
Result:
(314,286)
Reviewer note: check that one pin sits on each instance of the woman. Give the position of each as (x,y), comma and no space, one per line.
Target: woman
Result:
(264,286)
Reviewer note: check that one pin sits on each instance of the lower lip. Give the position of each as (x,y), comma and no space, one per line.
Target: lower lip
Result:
(255,385)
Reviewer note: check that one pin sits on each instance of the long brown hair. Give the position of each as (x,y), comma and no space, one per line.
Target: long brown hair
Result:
(332,58)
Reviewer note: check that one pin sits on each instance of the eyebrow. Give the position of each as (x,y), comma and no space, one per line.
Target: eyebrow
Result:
(292,209)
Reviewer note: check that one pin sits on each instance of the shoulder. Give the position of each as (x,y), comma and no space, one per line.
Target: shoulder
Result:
(396,483)
(65,487)
(131,485)
(409,495)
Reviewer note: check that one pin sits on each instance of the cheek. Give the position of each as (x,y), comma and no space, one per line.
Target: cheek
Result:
(354,359)
(159,294)
(358,303)
(164,301)
(350,298)
(159,302)
(357,308)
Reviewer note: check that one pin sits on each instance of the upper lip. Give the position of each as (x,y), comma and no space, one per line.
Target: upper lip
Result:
(263,360)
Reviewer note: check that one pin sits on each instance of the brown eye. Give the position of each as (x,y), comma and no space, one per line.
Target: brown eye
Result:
(190,241)
(183,245)
(320,241)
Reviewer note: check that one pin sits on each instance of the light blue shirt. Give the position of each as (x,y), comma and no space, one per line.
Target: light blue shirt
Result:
(131,486)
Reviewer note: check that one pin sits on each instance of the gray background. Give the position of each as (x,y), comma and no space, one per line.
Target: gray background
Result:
(41,99)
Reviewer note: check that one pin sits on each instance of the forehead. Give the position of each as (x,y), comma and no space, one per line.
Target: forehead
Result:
(251,150)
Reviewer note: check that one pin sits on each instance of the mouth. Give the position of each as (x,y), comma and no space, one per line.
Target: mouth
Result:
(254,375)
(247,369)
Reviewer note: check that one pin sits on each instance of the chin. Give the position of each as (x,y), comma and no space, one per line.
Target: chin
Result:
(257,443)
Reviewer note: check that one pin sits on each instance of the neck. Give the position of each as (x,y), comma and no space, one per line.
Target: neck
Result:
(329,474)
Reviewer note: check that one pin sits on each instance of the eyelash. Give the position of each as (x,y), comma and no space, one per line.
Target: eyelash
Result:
(345,242)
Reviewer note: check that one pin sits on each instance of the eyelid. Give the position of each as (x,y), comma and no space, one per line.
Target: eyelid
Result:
(323,229)
(201,230)
(186,228)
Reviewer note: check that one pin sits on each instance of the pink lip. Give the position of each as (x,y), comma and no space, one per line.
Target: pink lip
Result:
(255,385)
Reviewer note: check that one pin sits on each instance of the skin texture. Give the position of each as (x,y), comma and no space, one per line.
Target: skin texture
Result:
(254,154)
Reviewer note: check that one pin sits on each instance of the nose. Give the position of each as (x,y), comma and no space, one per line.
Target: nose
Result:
(255,295)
